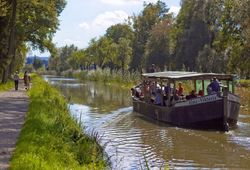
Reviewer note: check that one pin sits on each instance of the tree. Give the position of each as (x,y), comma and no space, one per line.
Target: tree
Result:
(192,34)
(34,28)
(124,54)
(157,49)
(37,63)
(142,24)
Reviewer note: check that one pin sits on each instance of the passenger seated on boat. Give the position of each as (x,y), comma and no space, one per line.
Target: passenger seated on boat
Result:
(174,98)
(192,95)
(167,90)
(158,97)
(180,89)
(136,92)
(146,92)
(153,88)
(201,93)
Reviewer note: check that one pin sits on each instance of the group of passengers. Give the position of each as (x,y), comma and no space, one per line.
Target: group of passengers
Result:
(152,92)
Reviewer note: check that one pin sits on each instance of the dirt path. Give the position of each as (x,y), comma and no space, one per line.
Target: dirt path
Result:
(13,107)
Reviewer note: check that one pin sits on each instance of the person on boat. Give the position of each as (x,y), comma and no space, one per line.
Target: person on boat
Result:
(214,85)
(158,98)
(153,88)
(209,88)
(201,93)
(152,69)
(146,91)
(180,89)
(192,95)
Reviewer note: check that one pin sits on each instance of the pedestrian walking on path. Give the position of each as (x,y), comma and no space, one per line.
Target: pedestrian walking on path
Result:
(26,79)
(16,80)
(13,107)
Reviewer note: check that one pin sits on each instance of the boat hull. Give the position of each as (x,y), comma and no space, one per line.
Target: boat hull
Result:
(209,112)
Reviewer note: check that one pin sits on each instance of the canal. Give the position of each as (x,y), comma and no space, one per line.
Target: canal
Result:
(135,142)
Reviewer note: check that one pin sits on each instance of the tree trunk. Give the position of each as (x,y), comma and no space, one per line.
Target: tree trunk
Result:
(11,42)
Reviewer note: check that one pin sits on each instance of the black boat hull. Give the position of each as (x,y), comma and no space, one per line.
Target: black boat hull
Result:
(209,112)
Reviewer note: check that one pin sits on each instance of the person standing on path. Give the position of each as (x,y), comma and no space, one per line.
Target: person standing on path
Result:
(16,80)
(26,79)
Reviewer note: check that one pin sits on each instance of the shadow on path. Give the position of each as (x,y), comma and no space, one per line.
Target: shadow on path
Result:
(13,107)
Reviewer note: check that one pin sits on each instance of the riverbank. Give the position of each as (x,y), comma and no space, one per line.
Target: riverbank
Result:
(50,138)
(243,90)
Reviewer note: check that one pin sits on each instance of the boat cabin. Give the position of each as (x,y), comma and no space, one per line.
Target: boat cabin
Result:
(166,85)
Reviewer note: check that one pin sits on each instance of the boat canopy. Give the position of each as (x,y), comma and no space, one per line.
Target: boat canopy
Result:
(181,75)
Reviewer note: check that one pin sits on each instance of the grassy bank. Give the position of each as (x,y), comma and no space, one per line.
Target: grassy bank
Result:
(106,76)
(244,92)
(50,138)
(9,85)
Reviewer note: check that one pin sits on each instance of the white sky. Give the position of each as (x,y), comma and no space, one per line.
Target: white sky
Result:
(83,20)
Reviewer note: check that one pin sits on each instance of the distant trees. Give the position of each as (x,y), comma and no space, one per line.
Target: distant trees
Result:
(207,36)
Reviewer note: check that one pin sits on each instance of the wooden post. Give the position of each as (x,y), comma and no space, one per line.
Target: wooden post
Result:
(162,101)
(225,108)
(228,85)
(233,88)
(203,86)
(169,92)
(195,87)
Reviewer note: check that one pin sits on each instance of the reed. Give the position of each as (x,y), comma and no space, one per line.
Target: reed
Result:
(127,79)
(50,138)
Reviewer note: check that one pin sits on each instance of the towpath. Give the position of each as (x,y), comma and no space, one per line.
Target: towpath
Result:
(13,107)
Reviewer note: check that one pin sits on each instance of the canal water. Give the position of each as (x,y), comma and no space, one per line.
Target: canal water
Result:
(135,142)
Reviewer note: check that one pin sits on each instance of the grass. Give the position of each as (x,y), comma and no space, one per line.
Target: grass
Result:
(7,86)
(51,138)
(243,90)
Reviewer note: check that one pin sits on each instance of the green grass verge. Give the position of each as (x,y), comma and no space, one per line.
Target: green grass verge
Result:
(51,138)
(7,86)
(244,83)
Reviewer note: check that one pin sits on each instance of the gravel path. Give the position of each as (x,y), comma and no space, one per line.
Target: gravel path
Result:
(13,107)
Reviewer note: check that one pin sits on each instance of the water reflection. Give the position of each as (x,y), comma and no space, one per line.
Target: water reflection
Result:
(131,138)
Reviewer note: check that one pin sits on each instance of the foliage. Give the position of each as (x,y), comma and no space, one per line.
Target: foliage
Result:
(157,49)
(21,28)
(50,138)
(6,86)
(142,24)
(37,63)
(206,36)
(60,61)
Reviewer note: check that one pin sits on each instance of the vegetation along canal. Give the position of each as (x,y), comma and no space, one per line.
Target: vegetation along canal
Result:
(135,142)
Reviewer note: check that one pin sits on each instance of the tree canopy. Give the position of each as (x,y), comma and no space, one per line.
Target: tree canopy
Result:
(26,24)
(206,36)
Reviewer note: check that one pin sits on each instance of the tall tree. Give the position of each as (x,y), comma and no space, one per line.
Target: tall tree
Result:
(157,49)
(124,54)
(142,24)
(193,34)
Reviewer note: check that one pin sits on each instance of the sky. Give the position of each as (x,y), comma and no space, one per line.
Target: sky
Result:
(82,20)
